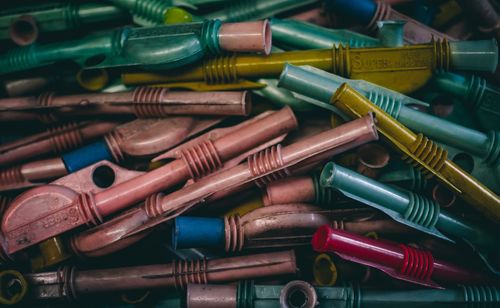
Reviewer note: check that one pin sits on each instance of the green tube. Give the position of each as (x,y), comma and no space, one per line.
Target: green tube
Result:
(159,47)
(403,175)
(302,35)
(321,85)
(405,206)
(478,94)
(62,15)
(245,10)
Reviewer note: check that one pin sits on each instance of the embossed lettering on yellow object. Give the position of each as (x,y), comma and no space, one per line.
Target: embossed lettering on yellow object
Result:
(404,69)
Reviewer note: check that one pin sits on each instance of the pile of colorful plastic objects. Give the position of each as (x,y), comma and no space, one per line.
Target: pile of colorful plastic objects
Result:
(250,153)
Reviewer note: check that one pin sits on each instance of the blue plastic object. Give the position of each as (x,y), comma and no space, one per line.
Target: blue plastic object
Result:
(86,156)
(189,232)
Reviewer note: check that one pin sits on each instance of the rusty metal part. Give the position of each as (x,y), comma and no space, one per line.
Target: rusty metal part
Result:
(263,167)
(143,102)
(55,140)
(23,227)
(70,283)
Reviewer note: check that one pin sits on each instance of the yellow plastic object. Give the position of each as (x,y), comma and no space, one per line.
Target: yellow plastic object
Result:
(421,152)
(52,252)
(372,234)
(92,79)
(403,69)
(203,86)
(246,207)
(11,275)
(324,271)
(175,15)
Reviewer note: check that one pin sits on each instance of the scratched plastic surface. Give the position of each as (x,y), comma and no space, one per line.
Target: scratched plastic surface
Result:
(249,153)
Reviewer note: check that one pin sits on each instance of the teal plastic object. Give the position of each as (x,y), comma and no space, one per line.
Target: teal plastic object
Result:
(246,10)
(250,295)
(403,175)
(62,15)
(162,47)
(295,34)
(391,33)
(474,91)
(321,85)
(150,12)
(407,208)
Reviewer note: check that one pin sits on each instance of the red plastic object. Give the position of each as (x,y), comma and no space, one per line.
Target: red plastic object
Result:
(397,260)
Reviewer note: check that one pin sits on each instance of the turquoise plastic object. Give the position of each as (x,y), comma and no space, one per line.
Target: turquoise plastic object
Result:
(462,51)
(478,94)
(406,207)
(391,33)
(403,175)
(62,15)
(246,10)
(250,295)
(296,34)
(321,85)
(162,47)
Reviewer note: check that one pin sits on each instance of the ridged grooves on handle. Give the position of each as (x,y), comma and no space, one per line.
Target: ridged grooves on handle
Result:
(442,53)
(322,195)
(18,59)
(475,93)
(418,180)
(481,296)
(493,157)
(430,153)
(386,103)
(266,161)
(151,10)
(201,159)
(340,60)
(210,36)
(422,211)
(381,13)
(417,263)
(113,141)
(71,17)
(64,138)
(244,294)
(45,100)
(10,176)
(220,70)
(148,102)
(338,224)
(66,281)
(152,205)
(185,272)
(88,210)
(234,233)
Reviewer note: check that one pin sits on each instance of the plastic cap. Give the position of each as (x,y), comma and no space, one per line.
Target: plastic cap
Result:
(191,232)
(474,55)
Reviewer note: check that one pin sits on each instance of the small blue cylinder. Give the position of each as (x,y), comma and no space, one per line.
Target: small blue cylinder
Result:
(195,232)
(360,10)
(86,156)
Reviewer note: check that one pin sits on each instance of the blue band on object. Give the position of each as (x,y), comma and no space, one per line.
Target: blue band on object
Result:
(195,232)
(87,156)
(360,10)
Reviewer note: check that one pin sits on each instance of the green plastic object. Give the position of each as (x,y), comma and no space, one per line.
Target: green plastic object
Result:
(295,34)
(162,47)
(269,296)
(155,12)
(407,207)
(479,95)
(403,175)
(246,10)
(60,16)
(320,85)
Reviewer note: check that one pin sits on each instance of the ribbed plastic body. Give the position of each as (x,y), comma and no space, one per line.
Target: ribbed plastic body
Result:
(319,84)
(244,10)
(146,12)
(405,206)
(478,94)
(302,35)
(63,16)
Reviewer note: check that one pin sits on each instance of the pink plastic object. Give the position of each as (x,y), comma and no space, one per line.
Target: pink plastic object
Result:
(143,102)
(414,31)
(397,260)
(71,283)
(23,30)
(298,189)
(23,227)
(265,166)
(55,140)
(252,36)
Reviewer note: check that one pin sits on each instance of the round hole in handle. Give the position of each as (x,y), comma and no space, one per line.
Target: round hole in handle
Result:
(13,287)
(465,161)
(298,294)
(103,176)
